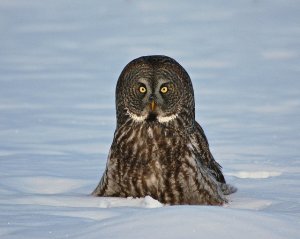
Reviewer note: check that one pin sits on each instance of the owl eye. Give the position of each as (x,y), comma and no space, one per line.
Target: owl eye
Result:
(143,89)
(164,90)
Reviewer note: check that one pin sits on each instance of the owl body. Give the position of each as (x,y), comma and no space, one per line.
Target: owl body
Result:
(158,148)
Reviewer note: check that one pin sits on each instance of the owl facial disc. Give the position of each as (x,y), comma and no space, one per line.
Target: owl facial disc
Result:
(152,112)
(155,89)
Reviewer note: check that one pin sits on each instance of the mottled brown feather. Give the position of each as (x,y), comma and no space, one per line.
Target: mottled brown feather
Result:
(166,155)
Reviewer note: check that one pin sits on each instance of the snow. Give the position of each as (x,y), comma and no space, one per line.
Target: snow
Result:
(59,63)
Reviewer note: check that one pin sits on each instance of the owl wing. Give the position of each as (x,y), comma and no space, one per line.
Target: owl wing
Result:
(204,154)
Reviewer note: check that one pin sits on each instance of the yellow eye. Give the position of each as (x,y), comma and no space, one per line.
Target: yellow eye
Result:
(142,89)
(164,90)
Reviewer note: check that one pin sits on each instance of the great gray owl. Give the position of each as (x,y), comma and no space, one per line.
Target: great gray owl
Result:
(158,148)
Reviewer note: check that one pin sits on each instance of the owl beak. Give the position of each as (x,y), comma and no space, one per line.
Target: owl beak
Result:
(152,105)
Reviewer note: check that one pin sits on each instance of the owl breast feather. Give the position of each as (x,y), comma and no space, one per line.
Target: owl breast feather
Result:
(148,159)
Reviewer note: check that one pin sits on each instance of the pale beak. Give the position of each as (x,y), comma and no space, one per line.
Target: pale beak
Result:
(152,105)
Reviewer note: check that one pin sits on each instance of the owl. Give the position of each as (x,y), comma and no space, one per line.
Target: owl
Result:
(158,148)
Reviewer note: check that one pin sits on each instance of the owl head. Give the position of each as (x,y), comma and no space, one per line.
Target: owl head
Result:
(155,89)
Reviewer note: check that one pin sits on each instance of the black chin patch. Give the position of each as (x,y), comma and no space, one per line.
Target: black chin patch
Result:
(152,117)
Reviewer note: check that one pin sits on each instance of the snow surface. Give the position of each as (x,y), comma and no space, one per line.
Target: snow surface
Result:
(59,63)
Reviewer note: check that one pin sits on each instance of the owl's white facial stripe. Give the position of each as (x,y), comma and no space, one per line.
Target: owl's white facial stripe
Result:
(160,119)
(166,119)
(136,117)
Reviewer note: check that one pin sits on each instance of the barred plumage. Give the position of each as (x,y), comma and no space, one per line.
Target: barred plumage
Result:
(158,148)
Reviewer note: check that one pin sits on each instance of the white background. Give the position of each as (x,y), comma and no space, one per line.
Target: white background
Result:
(59,63)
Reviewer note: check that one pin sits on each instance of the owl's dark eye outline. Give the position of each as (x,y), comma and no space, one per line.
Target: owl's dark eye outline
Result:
(164,89)
(142,89)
